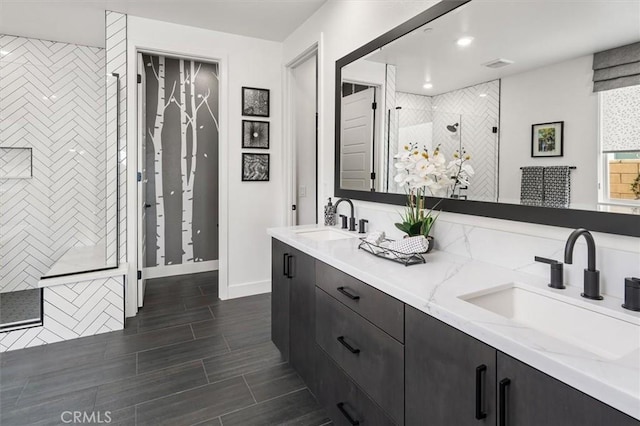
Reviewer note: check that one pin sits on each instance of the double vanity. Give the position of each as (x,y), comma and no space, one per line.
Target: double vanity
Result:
(453,341)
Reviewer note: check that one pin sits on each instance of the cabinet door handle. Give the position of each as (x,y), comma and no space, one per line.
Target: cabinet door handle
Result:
(348,346)
(285,263)
(480,371)
(346,293)
(344,412)
(502,417)
(289,273)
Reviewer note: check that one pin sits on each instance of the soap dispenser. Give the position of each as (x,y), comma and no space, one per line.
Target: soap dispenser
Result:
(329,214)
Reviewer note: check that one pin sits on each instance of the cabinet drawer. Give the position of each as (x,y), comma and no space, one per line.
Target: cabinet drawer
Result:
(344,401)
(376,306)
(367,354)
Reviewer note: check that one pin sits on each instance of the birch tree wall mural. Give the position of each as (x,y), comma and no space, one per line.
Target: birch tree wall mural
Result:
(182,136)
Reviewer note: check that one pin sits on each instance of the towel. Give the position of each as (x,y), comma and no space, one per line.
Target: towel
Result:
(410,245)
(531,188)
(557,186)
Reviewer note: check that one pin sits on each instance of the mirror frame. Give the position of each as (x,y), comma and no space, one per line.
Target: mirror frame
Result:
(613,223)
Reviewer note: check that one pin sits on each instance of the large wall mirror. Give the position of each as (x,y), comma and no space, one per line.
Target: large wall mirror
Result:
(532,110)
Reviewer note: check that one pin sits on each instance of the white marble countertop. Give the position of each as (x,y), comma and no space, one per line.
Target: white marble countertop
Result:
(434,288)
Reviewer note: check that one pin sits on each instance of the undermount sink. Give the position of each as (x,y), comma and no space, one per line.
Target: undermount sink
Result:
(561,317)
(325,234)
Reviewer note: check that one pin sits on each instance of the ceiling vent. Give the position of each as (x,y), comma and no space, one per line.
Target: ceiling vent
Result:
(498,63)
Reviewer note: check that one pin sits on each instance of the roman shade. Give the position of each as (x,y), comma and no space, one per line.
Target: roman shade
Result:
(620,119)
(616,68)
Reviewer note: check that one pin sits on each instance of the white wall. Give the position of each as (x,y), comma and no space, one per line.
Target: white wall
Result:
(559,92)
(246,208)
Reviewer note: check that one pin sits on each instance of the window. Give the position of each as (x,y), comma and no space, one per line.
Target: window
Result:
(620,145)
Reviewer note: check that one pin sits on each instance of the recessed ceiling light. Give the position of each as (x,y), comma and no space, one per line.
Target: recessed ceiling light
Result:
(3,52)
(483,95)
(428,85)
(464,41)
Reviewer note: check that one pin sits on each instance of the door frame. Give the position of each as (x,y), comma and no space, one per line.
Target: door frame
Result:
(132,159)
(289,123)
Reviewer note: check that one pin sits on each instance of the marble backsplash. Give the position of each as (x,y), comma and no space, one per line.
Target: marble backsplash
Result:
(513,245)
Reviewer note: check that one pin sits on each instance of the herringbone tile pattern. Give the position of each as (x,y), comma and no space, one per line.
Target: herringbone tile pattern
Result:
(51,99)
(476,116)
(72,311)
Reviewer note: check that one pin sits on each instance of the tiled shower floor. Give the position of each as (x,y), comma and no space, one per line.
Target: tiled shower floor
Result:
(18,307)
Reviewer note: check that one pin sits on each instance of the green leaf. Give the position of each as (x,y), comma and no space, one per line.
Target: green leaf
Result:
(402,227)
(415,229)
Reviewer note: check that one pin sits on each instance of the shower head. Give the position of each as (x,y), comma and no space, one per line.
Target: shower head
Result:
(453,128)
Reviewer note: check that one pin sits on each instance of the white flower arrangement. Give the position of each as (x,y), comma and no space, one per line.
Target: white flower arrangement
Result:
(420,170)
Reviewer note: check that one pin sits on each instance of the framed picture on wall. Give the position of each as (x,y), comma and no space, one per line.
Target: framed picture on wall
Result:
(255,134)
(255,167)
(547,139)
(255,102)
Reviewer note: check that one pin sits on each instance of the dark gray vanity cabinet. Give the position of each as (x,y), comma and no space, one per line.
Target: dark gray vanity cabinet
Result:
(454,379)
(302,318)
(371,357)
(280,284)
(528,397)
(293,308)
(345,402)
(372,360)
(450,377)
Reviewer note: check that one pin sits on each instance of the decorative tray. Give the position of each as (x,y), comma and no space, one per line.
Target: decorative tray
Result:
(387,253)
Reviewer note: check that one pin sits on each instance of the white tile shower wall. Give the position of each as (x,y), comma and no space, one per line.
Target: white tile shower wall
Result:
(72,311)
(52,100)
(513,245)
(477,115)
(416,109)
(116,60)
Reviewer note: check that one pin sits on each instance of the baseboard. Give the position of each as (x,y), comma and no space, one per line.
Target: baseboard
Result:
(249,289)
(185,268)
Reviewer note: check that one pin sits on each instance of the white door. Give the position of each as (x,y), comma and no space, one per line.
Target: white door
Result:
(305,141)
(142,179)
(357,140)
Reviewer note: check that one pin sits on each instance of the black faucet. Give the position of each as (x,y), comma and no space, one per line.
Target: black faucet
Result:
(352,219)
(591,274)
(556,280)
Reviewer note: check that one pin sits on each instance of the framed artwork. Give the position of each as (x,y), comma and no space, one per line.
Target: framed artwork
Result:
(255,167)
(255,134)
(547,139)
(255,102)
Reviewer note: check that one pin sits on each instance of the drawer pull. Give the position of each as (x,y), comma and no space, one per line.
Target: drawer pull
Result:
(344,412)
(346,293)
(502,417)
(480,371)
(289,273)
(348,346)
(285,264)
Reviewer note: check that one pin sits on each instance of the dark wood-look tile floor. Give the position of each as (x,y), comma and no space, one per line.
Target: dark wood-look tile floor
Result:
(187,358)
